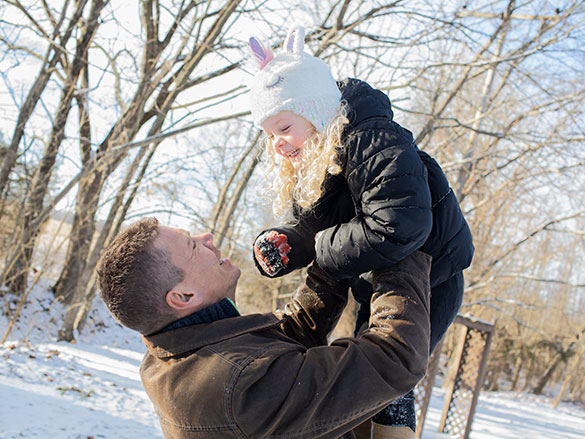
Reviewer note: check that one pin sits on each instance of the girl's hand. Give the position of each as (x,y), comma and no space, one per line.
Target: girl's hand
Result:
(271,252)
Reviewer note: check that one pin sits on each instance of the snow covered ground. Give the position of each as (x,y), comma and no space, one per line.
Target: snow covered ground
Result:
(91,389)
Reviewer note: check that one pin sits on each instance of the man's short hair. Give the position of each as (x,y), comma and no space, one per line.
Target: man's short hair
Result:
(134,277)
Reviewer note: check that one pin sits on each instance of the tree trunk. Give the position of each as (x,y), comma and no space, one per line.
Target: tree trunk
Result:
(537,390)
(15,273)
(16,276)
(493,379)
(37,89)
(83,227)
(571,373)
(84,289)
(517,370)
(574,368)
(466,170)
(81,235)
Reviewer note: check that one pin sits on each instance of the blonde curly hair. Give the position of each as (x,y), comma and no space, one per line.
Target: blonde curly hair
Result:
(304,184)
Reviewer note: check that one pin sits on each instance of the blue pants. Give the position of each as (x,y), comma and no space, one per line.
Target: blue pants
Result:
(446,299)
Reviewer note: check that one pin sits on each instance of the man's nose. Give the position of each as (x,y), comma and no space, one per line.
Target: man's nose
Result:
(207,239)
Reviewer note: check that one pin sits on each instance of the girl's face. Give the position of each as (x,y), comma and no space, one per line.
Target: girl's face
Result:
(287,132)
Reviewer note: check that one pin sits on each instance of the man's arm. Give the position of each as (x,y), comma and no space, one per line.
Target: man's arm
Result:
(399,330)
(315,308)
(326,391)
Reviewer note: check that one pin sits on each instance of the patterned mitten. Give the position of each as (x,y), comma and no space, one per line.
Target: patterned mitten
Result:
(271,252)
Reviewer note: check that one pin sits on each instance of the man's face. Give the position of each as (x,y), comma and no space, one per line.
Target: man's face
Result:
(205,271)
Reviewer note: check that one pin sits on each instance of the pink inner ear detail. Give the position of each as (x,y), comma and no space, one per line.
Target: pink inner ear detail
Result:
(269,57)
(291,41)
(263,54)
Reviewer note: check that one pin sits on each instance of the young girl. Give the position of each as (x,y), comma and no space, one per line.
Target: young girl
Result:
(362,194)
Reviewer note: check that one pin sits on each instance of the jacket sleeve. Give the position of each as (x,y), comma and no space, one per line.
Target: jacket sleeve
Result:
(315,308)
(325,391)
(388,182)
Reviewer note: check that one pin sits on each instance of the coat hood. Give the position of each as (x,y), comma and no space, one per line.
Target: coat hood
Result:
(363,102)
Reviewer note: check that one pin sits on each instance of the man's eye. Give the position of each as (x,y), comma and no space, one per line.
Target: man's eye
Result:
(194,245)
(285,129)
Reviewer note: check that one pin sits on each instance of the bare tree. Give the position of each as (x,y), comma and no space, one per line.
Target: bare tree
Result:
(57,40)
(131,122)
(155,67)
(20,254)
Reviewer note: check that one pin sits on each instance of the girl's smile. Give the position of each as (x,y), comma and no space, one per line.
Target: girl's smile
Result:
(288,132)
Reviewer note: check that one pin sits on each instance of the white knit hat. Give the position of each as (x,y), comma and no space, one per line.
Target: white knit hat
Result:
(294,81)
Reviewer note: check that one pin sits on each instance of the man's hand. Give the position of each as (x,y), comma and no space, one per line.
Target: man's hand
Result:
(271,252)
(315,308)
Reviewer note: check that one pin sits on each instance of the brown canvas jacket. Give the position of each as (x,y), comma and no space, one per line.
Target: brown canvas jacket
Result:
(259,376)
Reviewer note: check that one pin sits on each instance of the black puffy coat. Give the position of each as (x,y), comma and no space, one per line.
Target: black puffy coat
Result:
(389,200)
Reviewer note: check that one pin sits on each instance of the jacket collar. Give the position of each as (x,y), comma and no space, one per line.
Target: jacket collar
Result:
(363,101)
(182,340)
(223,309)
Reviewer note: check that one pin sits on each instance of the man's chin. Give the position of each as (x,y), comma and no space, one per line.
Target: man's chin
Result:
(228,266)
(234,273)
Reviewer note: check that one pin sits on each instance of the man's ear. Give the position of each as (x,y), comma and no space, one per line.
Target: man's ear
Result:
(184,300)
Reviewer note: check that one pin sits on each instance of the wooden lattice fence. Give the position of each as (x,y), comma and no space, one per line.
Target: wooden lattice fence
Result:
(464,378)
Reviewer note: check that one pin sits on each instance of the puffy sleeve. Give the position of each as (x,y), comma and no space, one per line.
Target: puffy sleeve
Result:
(388,183)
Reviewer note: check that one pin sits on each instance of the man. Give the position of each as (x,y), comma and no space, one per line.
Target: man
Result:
(212,373)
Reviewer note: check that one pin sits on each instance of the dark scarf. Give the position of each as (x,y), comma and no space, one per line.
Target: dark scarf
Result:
(223,309)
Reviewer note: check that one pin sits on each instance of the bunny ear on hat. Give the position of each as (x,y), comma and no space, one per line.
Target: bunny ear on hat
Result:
(262,54)
(294,43)
(295,40)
